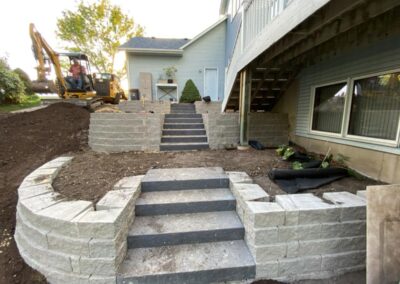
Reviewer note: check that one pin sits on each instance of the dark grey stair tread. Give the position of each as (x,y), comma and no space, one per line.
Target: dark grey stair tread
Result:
(187,178)
(183,120)
(183,115)
(183,126)
(192,263)
(183,139)
(183,146)
(183,132)
(185,201)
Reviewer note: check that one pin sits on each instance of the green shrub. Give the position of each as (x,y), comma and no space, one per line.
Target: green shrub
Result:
(11,86)
(190,93)
(26,80)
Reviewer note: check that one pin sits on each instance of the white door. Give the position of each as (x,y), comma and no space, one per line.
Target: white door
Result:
(211,83)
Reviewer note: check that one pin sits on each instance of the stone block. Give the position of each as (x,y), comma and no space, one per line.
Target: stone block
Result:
(68,245)
(345,229)
(129,183)
(102,280)
(268,253)
(294,266)
(36,236)
(32,191)
(257,237)
(329,246)
(295,233)
(343,260)
(362,194)
(114,199)
(324,215)
(267,270)
(107,248)
(40,202)
(100,224)
(32,181)
(263,214)
(239,177)
(352,207)
(249,192)
(292,249)
(44,257)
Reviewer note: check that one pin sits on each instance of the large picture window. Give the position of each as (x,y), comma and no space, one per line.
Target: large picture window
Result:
(370,109)
(329,107)
(375,107)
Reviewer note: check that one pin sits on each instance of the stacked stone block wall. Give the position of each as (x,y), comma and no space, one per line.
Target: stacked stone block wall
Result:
(73,241)
(122,132)
(138,107)
(301,236)
(271,129)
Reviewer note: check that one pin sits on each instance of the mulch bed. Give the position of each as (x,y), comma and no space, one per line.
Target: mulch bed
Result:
(28,140)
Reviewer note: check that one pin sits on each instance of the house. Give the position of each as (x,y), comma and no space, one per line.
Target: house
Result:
(201,59)
(333,66)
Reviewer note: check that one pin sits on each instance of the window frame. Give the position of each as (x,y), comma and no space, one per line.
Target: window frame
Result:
(313,89)
(347,111)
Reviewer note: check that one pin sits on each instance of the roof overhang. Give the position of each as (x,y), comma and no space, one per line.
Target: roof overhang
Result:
(200,35)
(165,52)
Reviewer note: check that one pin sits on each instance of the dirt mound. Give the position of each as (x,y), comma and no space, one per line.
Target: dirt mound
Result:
(28,140)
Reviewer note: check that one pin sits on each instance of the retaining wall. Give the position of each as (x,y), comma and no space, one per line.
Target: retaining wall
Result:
(138,107)
(301,236)
(122,132)
(270,129)
(73,241)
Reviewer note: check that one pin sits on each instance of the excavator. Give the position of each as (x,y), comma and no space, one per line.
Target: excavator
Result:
(95,89)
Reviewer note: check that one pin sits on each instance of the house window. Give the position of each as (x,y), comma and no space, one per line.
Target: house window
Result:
(375,107)
(369,110)
(328,108)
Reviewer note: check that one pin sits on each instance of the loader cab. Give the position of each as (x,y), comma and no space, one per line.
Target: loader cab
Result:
(84,83)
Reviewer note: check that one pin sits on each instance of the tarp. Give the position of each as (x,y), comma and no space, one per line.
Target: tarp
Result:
(292,181)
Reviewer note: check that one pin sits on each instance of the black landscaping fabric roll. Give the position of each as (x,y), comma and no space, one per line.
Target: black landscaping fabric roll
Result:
(299,157)
(311,164)
(292,181)
(256,145)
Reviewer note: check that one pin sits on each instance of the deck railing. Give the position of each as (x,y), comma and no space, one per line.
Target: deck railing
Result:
(256,15)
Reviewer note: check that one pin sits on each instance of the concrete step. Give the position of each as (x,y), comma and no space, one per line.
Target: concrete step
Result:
(189,264)
(183,132)
(183,126)
(186,178)
(185,201)
(183,139)
(183,115)
(179,229)
(184,111)
(183,146)
(183,120)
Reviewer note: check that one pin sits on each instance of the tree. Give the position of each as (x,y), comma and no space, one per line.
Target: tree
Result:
(190,93)
(11,86)
(97,30)
(26,80)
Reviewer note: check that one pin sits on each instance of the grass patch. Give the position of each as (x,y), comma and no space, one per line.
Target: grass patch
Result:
(27,102)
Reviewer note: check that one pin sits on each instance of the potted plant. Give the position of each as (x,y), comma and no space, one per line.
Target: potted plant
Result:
(170,73)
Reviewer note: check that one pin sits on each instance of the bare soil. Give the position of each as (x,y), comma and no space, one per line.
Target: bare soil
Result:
(28,140)
(91,175)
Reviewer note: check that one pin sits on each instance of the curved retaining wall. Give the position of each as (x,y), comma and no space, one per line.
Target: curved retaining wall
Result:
(73,241)
(301,236)
(122,132)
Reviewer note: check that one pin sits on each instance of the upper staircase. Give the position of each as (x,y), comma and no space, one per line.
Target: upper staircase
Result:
(183,129)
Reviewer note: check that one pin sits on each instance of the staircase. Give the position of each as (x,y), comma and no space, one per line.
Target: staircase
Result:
(186,230)
(183,129)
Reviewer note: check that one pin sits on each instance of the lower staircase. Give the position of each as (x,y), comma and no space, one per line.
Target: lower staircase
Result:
(186,230)
(183,129)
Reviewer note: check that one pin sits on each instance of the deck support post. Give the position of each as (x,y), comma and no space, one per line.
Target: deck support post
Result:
(244,105)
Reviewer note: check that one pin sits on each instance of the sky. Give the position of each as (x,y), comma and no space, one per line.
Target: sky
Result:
(161,18)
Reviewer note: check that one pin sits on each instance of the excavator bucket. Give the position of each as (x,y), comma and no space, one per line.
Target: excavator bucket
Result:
(44,87)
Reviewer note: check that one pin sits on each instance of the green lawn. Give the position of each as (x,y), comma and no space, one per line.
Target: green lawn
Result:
(27,102)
